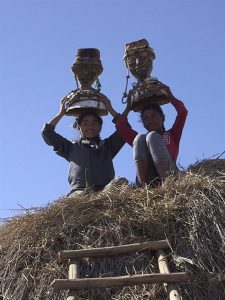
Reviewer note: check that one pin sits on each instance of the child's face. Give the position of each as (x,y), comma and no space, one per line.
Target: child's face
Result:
(152,120)
(90,127)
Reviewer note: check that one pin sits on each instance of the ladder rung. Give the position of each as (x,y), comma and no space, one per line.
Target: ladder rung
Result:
(119,281)
(114,250)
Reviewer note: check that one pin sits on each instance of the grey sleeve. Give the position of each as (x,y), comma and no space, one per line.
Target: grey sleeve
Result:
(60,145)
(116,143)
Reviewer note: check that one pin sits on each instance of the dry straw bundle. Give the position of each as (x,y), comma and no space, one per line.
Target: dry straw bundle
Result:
(188,210)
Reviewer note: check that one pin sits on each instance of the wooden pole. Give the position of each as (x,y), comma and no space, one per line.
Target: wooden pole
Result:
(119,281)
(73,274)
(114,250)
(171,288)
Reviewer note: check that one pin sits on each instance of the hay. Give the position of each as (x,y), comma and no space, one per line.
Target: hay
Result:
(188,210)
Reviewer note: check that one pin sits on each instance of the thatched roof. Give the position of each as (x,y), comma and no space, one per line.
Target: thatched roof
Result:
(188,210)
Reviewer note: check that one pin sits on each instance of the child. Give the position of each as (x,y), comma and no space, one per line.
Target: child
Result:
(155,152)
(90,158)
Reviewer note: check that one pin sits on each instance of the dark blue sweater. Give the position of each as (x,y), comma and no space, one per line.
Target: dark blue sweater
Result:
(88,167)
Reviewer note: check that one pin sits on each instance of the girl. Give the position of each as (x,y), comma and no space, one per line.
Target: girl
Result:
(155,152)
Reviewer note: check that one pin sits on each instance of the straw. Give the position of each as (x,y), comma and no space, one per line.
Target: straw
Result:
(188,210)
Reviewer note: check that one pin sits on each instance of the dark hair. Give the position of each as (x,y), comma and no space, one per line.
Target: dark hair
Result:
(157,108)
(93,113)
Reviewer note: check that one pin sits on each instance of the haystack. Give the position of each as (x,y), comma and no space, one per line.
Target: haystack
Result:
(188,210)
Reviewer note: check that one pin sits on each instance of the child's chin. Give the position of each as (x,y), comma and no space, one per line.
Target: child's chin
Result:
(151,129)
(90,136)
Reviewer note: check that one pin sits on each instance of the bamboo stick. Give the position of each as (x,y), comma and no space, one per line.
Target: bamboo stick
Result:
(114,250)
(120,281)
(171,288)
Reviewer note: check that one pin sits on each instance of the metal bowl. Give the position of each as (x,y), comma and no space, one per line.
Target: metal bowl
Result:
(80,106)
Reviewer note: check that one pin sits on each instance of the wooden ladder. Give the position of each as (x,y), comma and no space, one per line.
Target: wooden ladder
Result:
(74,283)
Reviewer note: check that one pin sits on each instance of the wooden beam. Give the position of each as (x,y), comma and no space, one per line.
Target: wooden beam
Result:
(73,274)
(73,269)
(114,250)
(120,281)
(171,288)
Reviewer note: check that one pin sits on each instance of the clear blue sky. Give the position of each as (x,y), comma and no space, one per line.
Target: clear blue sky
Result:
(39,40)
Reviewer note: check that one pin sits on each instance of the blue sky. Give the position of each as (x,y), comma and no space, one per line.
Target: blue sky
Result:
(39,40)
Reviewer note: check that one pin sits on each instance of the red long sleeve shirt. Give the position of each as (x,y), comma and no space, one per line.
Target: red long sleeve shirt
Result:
(171,137)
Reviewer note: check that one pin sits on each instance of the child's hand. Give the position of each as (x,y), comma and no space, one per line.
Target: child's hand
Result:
(129,104)
(169,92)
(108,106)
(107,103)
(63,101)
